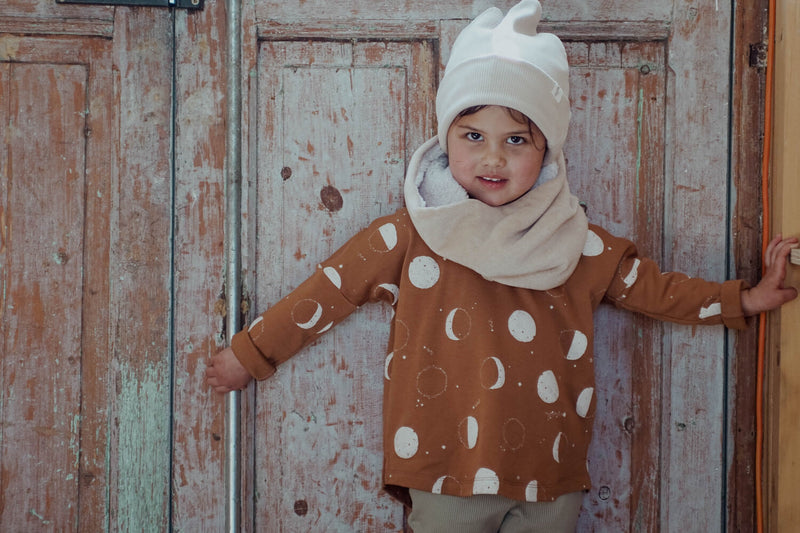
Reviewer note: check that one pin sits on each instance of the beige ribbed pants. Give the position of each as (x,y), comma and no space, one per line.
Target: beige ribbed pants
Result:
(485,513)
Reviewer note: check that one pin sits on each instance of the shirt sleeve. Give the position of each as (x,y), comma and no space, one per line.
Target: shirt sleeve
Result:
(366,268)
(639,285)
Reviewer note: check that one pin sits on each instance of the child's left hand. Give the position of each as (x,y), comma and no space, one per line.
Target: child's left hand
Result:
(225,373)
(770,292)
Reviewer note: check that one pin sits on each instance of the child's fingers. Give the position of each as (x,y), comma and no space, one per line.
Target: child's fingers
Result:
(770,251)
(783,250)
(221,389)
(212,381)
(778,250)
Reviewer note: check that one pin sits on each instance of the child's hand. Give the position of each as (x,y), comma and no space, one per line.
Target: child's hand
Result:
(770,292)
(225,373)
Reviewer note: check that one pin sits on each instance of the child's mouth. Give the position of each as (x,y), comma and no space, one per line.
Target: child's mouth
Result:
(492,181)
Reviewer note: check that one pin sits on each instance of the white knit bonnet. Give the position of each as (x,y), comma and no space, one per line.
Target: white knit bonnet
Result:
(499,60)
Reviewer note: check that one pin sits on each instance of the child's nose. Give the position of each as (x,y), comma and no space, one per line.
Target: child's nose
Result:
(493,157)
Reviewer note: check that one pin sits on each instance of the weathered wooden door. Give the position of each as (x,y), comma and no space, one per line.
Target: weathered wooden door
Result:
(111,253)
(341,94)
(110,263)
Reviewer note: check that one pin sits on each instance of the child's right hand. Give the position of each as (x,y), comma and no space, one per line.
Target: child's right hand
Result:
(225,373)
(771,292)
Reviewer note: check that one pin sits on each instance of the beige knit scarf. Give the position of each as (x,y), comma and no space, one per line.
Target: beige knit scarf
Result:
(534,242)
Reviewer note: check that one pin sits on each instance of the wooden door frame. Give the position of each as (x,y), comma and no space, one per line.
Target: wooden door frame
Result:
(747,113)
(782,434)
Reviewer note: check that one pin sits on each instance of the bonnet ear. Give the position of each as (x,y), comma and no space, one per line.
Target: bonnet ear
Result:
(524,17)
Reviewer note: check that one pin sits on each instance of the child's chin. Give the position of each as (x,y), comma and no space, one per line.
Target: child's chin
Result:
(492,202)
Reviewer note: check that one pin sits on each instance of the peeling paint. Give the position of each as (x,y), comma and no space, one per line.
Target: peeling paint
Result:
(639,119)
(75,441)
(9,46)
(39,517)
(143,447)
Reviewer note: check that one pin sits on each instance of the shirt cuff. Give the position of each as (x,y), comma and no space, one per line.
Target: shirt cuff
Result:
(251,357)
(731,296)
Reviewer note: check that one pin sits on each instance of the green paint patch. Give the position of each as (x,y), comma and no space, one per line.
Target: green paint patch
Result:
(144,448)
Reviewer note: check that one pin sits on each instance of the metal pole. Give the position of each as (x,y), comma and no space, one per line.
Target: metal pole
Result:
(233,194)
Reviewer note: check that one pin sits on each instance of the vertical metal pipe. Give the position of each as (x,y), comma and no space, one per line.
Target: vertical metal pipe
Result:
(233,194)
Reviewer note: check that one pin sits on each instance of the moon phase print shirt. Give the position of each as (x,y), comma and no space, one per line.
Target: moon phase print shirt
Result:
(488,388)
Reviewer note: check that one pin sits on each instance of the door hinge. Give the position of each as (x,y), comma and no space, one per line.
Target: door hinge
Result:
(180,4)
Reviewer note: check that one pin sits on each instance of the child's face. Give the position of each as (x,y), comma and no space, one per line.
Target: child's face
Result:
(493,156)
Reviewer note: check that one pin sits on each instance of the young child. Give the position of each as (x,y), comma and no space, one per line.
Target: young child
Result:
(494,274)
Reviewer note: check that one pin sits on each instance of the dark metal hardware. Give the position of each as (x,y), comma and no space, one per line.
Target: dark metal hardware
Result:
(180,4)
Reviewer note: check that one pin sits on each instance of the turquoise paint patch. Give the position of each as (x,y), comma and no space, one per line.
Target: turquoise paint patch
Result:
(144,449)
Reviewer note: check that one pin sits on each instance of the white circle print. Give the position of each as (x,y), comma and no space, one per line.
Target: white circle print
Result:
(406,442)
(486,482)
(522,326)
(423,272)
(384,239)
(547,387)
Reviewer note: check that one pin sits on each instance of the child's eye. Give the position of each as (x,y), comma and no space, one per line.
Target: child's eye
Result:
(474,136)
(516,139)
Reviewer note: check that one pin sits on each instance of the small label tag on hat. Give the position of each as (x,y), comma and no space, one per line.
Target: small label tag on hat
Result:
(558,94)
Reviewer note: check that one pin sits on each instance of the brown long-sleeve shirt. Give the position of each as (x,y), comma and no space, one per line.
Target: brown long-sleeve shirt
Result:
(488,388)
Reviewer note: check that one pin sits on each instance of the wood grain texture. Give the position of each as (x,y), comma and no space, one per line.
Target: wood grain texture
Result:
(335,130)
(615,160)
(198,492)
(43,291)
(141,291)
(382,10)
(782,510)
(54,270)
(693,481)
(52,14)
(746,149)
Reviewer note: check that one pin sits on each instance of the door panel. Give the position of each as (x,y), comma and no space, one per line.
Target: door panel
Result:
(53,266)
(618,104)
(425,10)
(44,260)
(334,135)
(127,256)
(141,294)
(198,493)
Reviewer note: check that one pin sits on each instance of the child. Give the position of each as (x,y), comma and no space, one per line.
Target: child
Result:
(494,274)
